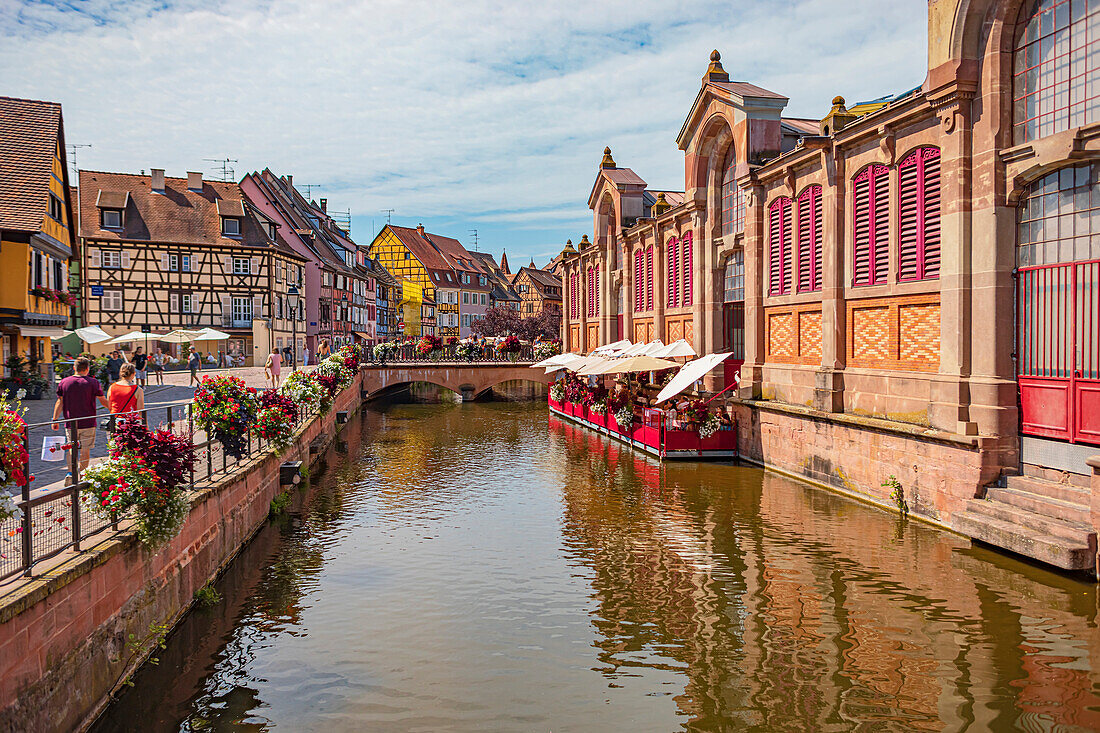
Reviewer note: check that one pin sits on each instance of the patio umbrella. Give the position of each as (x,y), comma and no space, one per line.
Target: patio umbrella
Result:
(640,363)
(211,334)
(92,334)
(690,372)
(179,336)
(554,360)
(568,362)
(674,350)
(592,365)
(135,336)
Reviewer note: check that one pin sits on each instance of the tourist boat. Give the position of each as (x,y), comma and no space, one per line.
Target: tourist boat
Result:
(652,434)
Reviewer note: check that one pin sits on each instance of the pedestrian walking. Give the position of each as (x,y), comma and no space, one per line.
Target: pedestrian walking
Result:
(125,395)
(140,362)
(273,367)
(305,356)
(194,362)
(76,398)
(114,364)
(322,351)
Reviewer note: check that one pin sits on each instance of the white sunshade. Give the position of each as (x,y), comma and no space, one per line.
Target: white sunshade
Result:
(687,375)
(568,362)
(592,365)
(554,360)
(92,334)
(637,349)
(653,348)
(675,349)
(179,336)
(613,348)
(135,336)
(640,363)
(211,334)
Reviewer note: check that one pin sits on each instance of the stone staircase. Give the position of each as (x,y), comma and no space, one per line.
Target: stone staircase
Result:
(1037,518)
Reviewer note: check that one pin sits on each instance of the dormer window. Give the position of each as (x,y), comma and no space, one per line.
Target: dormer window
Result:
(231,226)
(112,219)
(231,213)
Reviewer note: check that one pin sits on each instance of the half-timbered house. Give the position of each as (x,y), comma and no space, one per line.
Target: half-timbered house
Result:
(37,236)
(538,290)
(162,253)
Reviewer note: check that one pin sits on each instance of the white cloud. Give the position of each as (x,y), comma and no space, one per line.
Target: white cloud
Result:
(495,111)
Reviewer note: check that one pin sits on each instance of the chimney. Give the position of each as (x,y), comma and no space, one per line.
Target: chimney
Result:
(157,176)
(324,205)
(420,229)
(290,180)
(194,181)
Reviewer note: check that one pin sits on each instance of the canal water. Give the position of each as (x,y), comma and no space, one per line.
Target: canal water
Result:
(483,567)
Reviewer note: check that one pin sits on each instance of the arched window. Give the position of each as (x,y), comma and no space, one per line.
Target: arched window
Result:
(639,281)
(871,220)
(572,295)
(779,246)
(809,240)
(733,198)
(686,278)
(919,215)
(596,291)
(1056,68)
(1058,218)
(673,272)
(591,292)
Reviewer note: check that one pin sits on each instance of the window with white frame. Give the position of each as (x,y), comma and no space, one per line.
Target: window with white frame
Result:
(242,266)
(111,300)
(188,300)
(231,226)
(186,263)
(174,263)
(111,259)
(112,218)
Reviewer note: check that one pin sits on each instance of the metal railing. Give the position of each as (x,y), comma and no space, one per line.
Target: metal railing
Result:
(54,518)
(408,354)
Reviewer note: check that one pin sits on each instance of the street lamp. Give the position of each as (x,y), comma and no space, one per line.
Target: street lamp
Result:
(292,301)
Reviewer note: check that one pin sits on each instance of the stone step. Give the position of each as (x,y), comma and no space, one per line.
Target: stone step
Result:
(1031,521)
(1056,508)
(1051,489)
(1057,551)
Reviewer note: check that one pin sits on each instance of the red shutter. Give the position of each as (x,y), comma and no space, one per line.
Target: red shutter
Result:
(673,263)
(596,290)
(809,240)
(817,237)
(919,215)
(881,249)
(779,247)
(871,224)
(861,215)
(639,283)
(649,278)
(688,278)
(930,229)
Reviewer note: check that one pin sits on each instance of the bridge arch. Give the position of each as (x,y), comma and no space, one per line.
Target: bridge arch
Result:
(470,381)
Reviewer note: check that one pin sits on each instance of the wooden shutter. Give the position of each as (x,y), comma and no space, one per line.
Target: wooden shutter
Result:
(639,281)
(257,306)
(649,278)
(673,274)
(687,276)
(227,264)
(596,299)
(919,215)
(125,260)
(809,240)
(881,249)
(164,261)
(779,246)
(254,266)
(227,306)
(94,257)
(871,226)
(173,303)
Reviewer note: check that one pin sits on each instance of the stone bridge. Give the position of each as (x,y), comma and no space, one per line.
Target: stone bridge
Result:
(469,380)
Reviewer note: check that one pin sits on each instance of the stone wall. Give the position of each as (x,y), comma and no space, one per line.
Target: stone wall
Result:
(855,455)
(63,637)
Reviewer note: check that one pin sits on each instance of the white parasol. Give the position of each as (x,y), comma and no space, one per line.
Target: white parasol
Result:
(687,375)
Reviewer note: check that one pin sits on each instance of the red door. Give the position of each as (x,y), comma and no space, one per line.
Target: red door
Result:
(1059,351)
(733,339)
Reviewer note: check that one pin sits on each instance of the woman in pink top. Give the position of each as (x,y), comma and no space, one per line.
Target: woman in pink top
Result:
(274,362)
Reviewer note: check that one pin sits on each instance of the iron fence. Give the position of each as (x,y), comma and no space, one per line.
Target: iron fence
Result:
(410,354)
(54,519)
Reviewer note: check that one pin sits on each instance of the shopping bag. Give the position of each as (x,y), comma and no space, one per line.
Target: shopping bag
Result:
(52,448)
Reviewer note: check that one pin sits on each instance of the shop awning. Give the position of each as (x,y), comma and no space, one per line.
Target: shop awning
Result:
(687,375)
(53,332)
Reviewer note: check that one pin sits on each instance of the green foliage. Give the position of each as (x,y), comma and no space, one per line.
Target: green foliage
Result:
(897,493)
(207,596)
(279,504)
(149,643)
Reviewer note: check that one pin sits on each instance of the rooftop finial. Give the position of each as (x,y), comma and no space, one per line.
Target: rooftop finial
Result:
(608,161)
(568,250)
(715,72)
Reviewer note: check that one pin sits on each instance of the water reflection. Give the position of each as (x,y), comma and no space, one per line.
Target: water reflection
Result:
(472,567)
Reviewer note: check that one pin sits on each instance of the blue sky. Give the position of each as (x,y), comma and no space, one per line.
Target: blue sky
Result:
(458,115)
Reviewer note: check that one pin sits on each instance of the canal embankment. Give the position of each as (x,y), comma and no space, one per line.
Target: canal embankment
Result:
(70,637)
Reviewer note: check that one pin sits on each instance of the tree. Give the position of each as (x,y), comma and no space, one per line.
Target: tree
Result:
(498,321)
(546,324)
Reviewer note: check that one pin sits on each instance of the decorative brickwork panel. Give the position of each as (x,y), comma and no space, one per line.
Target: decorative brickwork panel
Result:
(781,334)
(674,331)
(574,338)
(689,331)
(920,333)
(871,337)
(809,335)
(642,331)
(593,338)
(895,333)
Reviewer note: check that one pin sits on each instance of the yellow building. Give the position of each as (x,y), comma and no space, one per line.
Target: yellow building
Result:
(410,256)
(37,238)
(412,298)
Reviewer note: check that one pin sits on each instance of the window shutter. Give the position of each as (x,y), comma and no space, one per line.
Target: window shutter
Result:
(125,260)
(93,257)
(688,276)
(639,284)
(673,265)
(596,298)
(254,266)
(809,240)
(881,250)
(919,215)
(164,261)
(779,246)
(227,264)
(649,278)
(227,306)
(257,306)
(930,227)
(173,303)
(861,226)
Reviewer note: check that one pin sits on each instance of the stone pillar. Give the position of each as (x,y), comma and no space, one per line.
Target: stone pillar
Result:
(659,284)
(607,292)
(628,293)
(565,295)
(1094,499)
(752,371)
(829,380)
(702,285)
(950,394)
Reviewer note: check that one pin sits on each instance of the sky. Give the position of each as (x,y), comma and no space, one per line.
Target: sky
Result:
(458,115)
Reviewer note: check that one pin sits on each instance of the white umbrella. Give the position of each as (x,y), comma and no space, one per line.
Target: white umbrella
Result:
(570,361)
(640,363)
(687,375)
(211,334)
(592,365)
(612,348)
(135,336)
(91,334)
(651,348)
(674,350)
(554,360)
(179,336)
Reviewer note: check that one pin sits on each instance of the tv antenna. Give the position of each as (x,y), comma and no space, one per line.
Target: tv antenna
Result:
(342,219)
(474,232)
(309,189)
(228,174)
(72,153)
(388,213)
